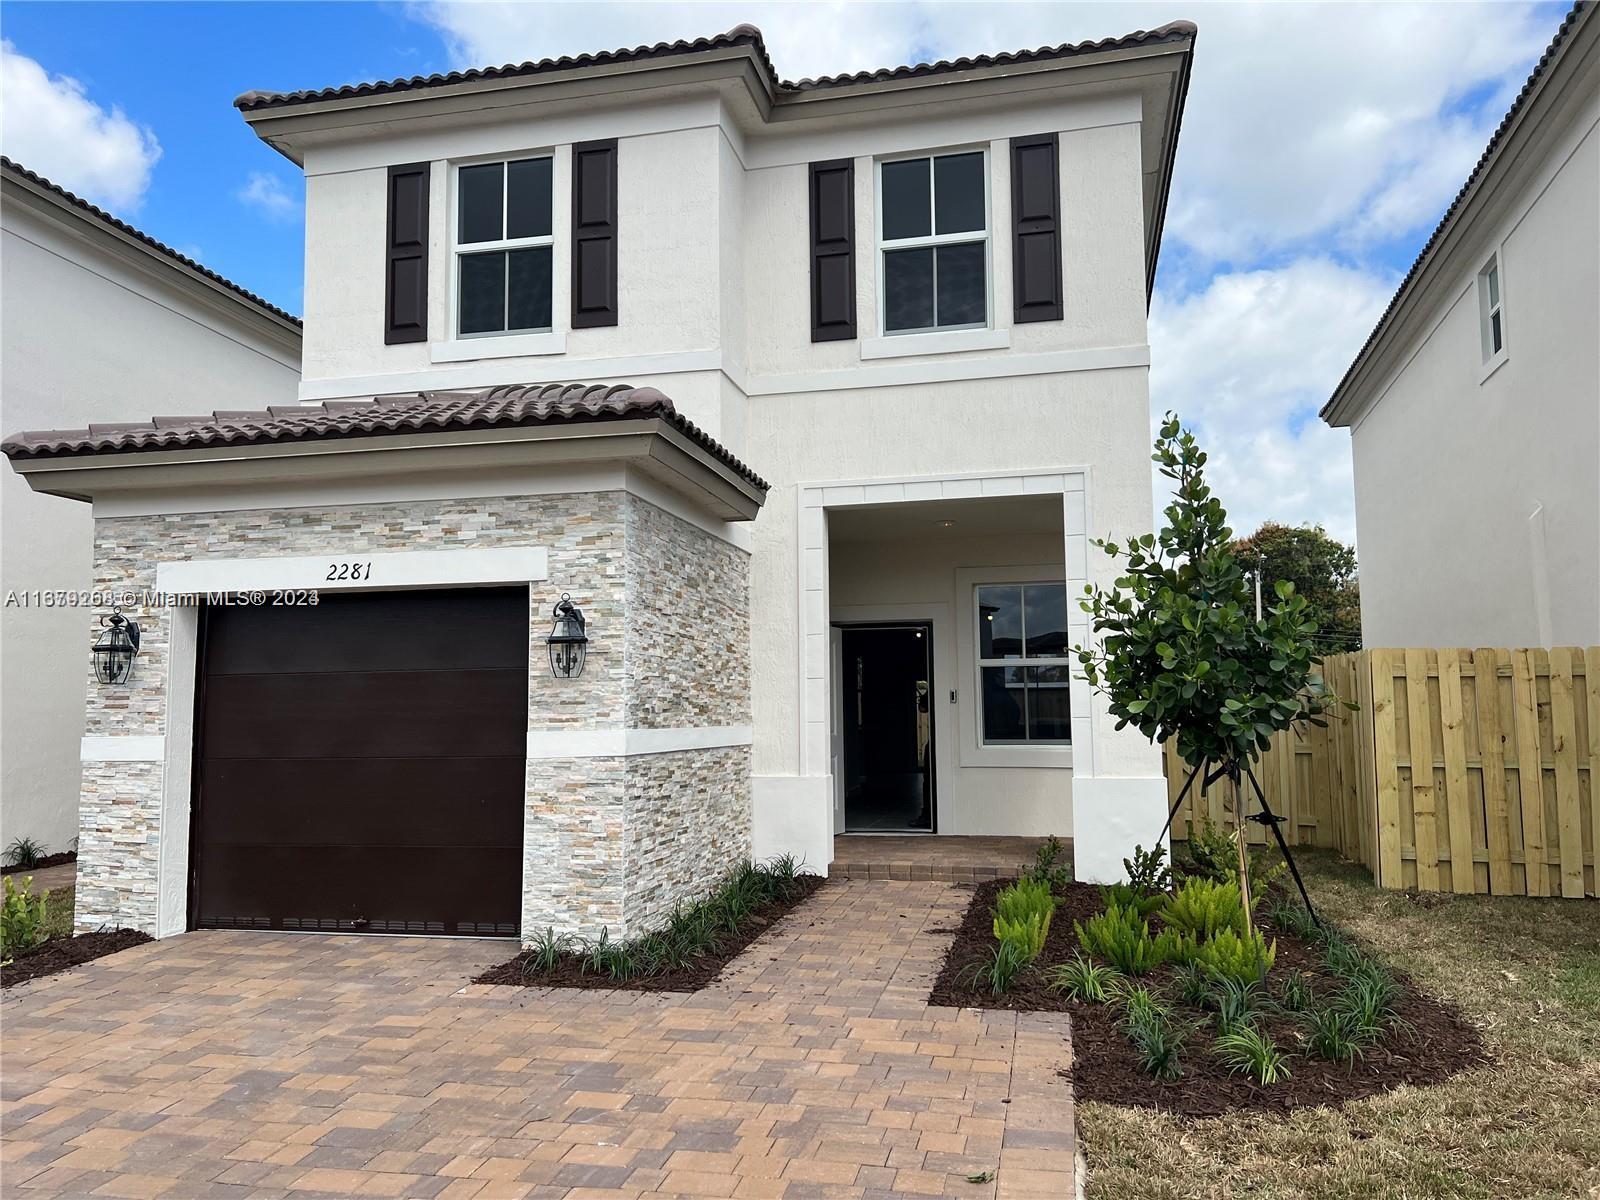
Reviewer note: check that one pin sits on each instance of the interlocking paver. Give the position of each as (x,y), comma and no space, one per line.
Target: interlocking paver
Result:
(302,1065)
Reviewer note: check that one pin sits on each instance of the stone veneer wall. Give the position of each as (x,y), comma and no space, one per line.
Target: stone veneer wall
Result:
(646,581)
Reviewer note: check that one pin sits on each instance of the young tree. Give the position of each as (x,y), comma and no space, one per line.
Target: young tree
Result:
(1323,571)
(1181,654)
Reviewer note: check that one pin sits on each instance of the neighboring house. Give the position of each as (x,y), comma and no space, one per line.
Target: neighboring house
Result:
(100,324)
(912,300)
(1474,407)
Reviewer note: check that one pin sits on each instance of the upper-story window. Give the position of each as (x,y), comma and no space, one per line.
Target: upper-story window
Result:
(504,247)
(933,241)
(1491,319)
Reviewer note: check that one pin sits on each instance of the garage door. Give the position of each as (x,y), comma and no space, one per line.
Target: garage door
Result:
(360,764)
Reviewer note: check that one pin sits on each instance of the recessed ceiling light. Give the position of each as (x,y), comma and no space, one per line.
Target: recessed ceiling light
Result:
(946,524)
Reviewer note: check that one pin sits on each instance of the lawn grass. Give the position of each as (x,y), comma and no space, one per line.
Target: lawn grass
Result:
(1526,972)
(58,912)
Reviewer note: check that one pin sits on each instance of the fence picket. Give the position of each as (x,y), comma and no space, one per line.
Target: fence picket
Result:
(1564,728)
(1530,772)
(1492,754)
(1452,722)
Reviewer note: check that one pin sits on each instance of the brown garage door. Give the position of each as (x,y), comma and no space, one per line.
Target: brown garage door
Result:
(360,764)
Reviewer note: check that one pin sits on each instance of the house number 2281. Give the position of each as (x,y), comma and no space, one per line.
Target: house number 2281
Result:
(352,571)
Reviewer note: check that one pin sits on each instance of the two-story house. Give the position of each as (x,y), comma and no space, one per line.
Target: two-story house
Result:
(809,397)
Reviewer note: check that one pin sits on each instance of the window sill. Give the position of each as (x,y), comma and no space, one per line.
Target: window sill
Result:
(513,345)
(954,341)
(1493,365)
(1057,757)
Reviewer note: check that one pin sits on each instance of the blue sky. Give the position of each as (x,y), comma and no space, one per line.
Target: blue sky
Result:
(1320,146)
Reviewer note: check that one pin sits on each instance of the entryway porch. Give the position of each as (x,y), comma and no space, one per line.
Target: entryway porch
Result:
(953,858)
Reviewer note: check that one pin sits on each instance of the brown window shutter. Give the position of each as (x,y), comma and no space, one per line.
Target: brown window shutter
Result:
(405,305)
(1036,229)
(594,234)
(833,256)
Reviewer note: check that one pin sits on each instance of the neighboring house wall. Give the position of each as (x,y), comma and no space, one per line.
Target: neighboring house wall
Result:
(1478,495)
(93,331)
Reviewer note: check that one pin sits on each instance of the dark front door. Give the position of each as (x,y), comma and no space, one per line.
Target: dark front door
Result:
(887,738)
(359,764)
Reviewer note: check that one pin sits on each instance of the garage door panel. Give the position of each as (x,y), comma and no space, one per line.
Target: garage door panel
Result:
(388,631)
(362,764)
(463,714)
(378,801)
(361,888)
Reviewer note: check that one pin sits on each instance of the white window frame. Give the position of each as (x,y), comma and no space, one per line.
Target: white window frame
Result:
(986,236)
(1489,309)
(979,663)
(460,250)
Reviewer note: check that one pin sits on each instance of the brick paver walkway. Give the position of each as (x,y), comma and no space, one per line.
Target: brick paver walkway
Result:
(231,1064)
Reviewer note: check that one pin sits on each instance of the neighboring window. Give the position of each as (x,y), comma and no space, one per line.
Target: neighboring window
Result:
(933,238)
(1023,664)
(503,247)
(1490,317)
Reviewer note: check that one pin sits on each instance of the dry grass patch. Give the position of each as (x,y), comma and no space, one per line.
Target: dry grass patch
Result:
(1526,972)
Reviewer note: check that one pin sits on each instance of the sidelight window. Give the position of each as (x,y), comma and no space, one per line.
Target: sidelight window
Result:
(1024,664)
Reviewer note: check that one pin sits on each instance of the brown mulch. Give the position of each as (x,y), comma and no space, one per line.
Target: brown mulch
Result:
(703,971)
(63,953)
(60,858)
(1434,1043)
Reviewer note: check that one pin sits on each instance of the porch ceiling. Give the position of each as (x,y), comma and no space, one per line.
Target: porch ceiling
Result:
(976,517)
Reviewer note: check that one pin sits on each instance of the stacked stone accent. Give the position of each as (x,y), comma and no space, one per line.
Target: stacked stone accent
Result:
(608,842)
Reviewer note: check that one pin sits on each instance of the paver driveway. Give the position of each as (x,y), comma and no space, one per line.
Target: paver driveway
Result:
(248,1064)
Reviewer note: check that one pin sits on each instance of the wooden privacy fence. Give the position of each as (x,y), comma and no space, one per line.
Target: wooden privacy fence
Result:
(1462,770)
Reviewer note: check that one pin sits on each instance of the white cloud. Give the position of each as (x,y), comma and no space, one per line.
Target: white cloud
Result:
(267,192)
(1246,362)
(49,125)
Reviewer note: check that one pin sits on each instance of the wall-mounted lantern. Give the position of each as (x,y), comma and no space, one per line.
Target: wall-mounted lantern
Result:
(568,643)
(115,649)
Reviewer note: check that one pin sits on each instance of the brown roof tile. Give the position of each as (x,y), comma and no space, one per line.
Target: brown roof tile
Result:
(420,412)
(18,170)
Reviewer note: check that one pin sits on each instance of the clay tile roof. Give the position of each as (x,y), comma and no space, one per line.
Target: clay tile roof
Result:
(1450,214)
(739,35)
(421,412)
(17,170)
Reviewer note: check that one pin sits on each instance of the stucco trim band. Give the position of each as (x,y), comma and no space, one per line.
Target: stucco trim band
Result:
(124,748)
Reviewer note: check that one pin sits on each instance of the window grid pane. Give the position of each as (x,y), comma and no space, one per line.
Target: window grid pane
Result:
(528,198)
(958,193)
(481,198)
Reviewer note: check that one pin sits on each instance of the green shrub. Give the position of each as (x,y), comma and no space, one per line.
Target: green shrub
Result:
(1229,956)
(1148,872)
(1121,937)
(1294,992)
(1246,1050)
(1124,896)
(1367,1001)
(546,951)
(1157,1042)
(1022,915)
(24,852)
(1211,854)
(1235,1003)
(1084,980)
(997,972)
(1026,933)
(1292,919)
(1194,985)
(22,920)
(1203,908)
(1045,859)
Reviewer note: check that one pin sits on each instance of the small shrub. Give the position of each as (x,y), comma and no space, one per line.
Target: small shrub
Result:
(1229,956)
(1121,937)
(1331,1034)
(1025,898)
(784,871)
(1124,896)
(1212,854)
(1157,1041)
(1026,933)
(546,951)
(1194,985)
(1045,864)
(606,957)
(1247,1051)
(1235,1003)
(1005,962)
(1148,872)
(1203,908)
(22,920)
(1140,1003)
(1294,992)
(1084,980)
(24,852)
(1291,919)
(1368,1003)
(1264,869)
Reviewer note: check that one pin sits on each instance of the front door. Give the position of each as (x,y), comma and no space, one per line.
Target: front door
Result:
(886,727)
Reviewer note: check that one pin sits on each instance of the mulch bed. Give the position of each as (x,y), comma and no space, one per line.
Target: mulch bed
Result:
(703,971)
(61,858)
(1435,1043)
(63,953)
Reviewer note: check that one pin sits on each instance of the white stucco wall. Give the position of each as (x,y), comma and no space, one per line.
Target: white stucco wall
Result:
(86,337)
(1478,498)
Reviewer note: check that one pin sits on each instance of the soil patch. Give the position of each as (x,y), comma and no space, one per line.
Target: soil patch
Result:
(701,972)
(63,953)
(1433,1043)
(59,859)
